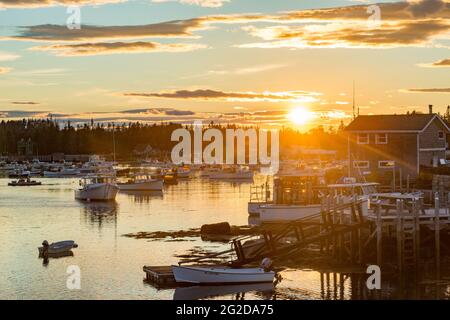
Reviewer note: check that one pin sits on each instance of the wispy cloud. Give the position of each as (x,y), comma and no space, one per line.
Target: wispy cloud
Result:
(157,115)
(49,3)
(25,102)
(6,56)
(201,3)
(214,95)
(349,35)
(50,32)
(4,70)
(90,49)
(429,90)
(438,64)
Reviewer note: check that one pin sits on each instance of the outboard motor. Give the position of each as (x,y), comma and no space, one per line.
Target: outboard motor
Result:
(266,264)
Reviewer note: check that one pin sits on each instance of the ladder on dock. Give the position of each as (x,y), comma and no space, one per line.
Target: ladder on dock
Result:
(409,242)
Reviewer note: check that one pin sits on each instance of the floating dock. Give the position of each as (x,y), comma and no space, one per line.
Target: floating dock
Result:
(160,275)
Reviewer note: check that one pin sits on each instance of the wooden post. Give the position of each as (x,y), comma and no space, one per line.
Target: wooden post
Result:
(437,231)
(416,213)
(400,235)
(379,233)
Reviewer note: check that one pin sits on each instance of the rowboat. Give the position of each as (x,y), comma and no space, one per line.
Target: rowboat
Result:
(59,247)
(210,275)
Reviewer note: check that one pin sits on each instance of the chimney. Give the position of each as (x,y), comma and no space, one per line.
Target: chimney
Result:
(430,108)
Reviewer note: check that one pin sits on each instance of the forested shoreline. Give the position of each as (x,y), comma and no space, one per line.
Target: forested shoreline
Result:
(48,137)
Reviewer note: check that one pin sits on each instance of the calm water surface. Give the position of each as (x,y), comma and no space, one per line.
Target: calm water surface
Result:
(111,265)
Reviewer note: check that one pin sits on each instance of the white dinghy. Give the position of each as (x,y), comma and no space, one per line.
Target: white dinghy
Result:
(211,275)
(59,247)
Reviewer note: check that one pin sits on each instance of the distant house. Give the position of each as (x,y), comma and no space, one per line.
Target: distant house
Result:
(25,147)
(381,143)
(143,150)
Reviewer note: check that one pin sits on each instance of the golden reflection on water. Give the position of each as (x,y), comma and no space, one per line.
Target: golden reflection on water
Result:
(111,265)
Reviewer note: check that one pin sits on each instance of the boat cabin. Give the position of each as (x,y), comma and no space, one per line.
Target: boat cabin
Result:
(96,180)
(299,189)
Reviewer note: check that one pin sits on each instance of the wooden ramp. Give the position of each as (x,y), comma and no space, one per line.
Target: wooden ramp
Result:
(331,228)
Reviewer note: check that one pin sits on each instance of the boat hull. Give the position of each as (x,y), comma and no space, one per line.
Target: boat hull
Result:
(59,247)
(199,275)
(285,213)
(142,186)
(232,176)
(281,213)
(254,207)
(97,192)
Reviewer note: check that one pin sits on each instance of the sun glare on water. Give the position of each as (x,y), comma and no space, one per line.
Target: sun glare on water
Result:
(299,116)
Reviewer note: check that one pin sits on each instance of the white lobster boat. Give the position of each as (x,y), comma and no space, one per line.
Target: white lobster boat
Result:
(232,174)
(347,193)
(210,275)
(142,182)
(97,188)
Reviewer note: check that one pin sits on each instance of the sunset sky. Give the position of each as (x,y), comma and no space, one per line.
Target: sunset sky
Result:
(247,61)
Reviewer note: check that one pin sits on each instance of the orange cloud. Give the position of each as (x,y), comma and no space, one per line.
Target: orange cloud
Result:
(90,49)
(441,63)
(350,35)
(5,70)
(208,95)
(430,90)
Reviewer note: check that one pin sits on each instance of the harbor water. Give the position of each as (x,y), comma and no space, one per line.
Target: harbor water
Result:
(111,264)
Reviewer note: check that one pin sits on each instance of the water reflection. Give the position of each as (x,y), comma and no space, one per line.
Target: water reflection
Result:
(59,255)
(143,196)
(100,213)
(236,291)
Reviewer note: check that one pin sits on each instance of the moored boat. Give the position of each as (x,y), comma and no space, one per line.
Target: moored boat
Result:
(24,183)
(97,188)
(142,182)
(232,174)
(59,247)
(211,275)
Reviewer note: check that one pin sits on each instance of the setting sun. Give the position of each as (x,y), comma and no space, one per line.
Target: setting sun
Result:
(299,115)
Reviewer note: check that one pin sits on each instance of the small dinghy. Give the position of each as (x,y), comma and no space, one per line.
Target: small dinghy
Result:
(59,247)
(211,275)
(24,183)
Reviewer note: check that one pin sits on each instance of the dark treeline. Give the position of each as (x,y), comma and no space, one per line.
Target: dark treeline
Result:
(48,137)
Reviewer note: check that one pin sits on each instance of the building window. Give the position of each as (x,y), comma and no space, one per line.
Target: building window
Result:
(361,164)
(441,135)
(386,164)
(381,138)
(363,138)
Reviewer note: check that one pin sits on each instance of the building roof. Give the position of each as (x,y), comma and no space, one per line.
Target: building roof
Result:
(402,122)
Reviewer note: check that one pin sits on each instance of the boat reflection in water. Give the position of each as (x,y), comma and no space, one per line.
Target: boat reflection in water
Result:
(98,213)
(238,291)
(143,196)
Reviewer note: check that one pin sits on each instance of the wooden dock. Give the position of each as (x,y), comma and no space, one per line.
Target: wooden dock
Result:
(160,275)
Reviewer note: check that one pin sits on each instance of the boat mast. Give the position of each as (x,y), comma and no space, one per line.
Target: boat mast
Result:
(114,143)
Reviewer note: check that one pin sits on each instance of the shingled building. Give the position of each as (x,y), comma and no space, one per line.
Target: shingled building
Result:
(378,143)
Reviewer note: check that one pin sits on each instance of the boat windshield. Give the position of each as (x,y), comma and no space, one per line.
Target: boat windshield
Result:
(94,180)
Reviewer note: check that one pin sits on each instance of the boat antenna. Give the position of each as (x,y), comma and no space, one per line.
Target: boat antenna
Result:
(354,101)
